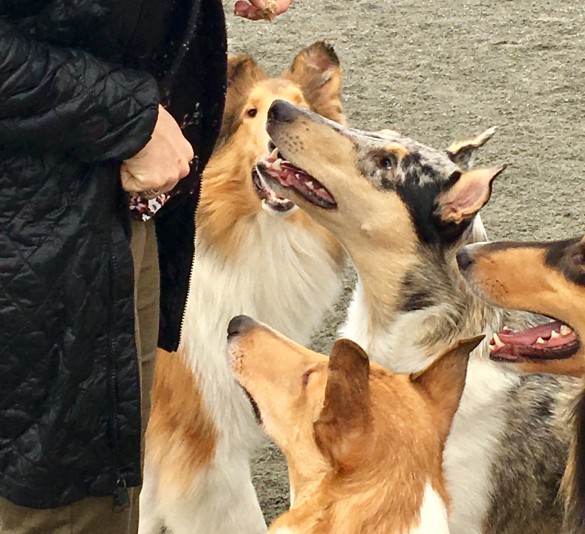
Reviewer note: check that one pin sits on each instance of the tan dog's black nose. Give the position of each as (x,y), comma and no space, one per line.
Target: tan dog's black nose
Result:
(281,111)
(240,325)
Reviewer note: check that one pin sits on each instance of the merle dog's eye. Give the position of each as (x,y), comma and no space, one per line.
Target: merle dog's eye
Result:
(387,162)
(252,112)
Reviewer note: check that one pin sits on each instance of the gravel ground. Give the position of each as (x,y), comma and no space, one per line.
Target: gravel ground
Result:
(441,70)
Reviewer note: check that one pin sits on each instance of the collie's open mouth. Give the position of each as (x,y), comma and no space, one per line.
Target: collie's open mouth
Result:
(276,168)
(255,408)
(268,196)
(549,341)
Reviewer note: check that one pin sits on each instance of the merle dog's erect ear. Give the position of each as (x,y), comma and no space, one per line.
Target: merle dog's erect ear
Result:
(341,428)
(243,73)
(317,71)
(467,195)
(462,153)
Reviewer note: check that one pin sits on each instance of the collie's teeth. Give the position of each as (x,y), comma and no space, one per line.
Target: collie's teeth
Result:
(565,330)
(498,341)
(310,185)
(554,334)
(276,165)
(540,341)
(274,154)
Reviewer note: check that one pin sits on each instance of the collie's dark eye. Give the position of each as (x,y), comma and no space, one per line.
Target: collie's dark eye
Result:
(252,112)
(387,163)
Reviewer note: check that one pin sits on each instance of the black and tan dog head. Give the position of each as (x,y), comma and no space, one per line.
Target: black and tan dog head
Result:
(549,279)
(397,205)
(544,278)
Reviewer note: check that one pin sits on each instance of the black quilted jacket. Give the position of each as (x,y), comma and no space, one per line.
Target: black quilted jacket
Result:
(80,81)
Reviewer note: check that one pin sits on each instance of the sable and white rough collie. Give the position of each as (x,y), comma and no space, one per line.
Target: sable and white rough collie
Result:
(402,210)
(255,254)
(364,446)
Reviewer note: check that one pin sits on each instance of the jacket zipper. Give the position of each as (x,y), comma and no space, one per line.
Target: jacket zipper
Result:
(121,494)
(192,266)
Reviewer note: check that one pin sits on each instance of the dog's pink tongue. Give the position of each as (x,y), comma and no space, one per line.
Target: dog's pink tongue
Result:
(554,333)
(548,341)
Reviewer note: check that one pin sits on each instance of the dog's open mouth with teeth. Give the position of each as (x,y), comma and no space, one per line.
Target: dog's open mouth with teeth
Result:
(276,169)
(553,340)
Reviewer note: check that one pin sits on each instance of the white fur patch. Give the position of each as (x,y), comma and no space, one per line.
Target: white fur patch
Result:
(281,277)
(471,447)
(433,514)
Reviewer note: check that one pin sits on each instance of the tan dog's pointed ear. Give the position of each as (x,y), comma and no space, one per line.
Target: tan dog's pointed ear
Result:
(317,71)
(243,73)
(341,428)
(443,381)
(462,153)
(467,195)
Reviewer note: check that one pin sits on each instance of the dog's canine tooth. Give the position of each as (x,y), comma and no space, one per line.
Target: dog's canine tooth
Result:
(310,185)
(540,341)
(498,342)
(565,330)
(276,165)
(554,334)
(274,153)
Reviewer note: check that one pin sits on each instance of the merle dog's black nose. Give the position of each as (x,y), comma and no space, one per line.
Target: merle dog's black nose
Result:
(281,111)
(464,259)
(240,325)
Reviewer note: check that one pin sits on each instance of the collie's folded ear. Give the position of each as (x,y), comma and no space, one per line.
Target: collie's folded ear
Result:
(317,71)
(467,195)
(342,426)
(462,153)
(243,73)
(443,381)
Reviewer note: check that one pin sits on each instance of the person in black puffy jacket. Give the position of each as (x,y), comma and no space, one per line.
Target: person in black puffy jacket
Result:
(103,103)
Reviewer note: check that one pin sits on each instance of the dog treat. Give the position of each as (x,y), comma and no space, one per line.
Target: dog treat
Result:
(269,8)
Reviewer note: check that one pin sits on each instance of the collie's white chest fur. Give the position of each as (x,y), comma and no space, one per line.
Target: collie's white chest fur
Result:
(282,276)
(433,514)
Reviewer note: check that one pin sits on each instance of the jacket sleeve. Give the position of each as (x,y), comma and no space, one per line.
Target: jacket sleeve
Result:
(62,99)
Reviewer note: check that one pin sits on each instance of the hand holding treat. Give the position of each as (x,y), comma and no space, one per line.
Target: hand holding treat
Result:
(261,9)
(162,162)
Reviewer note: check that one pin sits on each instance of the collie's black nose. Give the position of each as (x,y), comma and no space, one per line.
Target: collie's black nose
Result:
(464,259)
(240,325)
(281,111)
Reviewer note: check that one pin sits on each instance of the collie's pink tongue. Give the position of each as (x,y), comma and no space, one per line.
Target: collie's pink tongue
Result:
(296,178)
(551,340)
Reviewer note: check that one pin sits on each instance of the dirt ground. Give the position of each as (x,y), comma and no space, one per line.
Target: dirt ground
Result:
(439,70)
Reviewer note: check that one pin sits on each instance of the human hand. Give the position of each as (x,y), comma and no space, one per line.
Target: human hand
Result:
(162,162)
(261,9)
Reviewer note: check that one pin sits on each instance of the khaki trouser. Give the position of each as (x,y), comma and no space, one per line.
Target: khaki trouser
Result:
(94,515)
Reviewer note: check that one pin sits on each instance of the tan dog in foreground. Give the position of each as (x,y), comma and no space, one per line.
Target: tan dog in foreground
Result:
(364,446)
